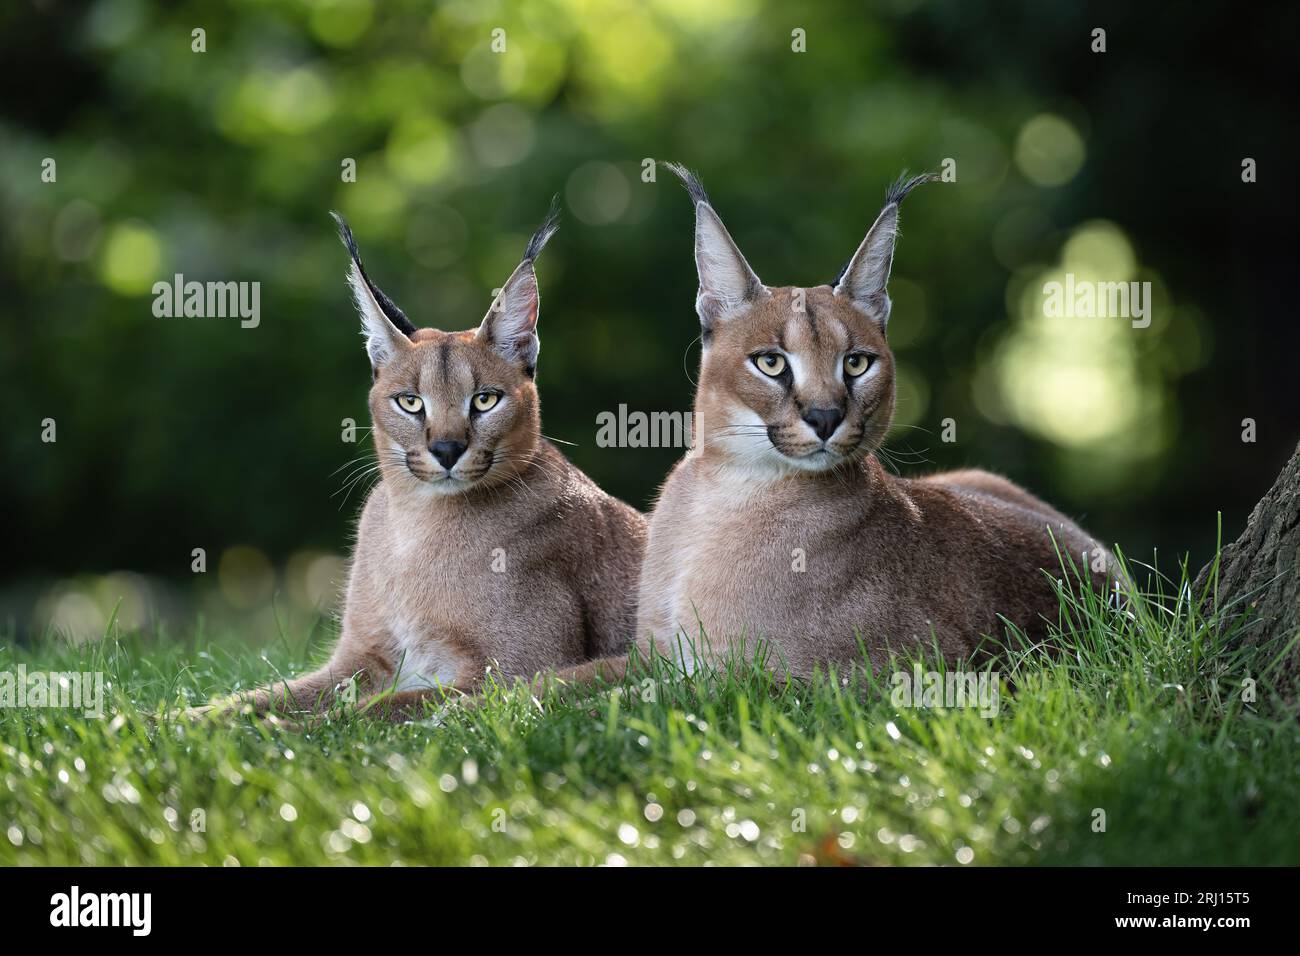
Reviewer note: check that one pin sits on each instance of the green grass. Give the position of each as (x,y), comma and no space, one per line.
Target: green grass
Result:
(1141,716)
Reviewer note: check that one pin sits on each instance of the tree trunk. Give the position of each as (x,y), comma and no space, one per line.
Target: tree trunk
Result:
(1259,575)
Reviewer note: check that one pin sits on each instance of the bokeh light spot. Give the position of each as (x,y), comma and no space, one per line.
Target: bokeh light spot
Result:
(245,576)
(598,193)
(132,258)
(1049,151)
(340,23)
(419,148)
(502,136)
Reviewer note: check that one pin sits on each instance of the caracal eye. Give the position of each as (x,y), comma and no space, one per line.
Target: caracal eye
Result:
(484,401)
(770,363)
(410,403)
(856,364)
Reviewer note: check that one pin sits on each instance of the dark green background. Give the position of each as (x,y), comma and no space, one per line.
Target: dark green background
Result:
(180,433)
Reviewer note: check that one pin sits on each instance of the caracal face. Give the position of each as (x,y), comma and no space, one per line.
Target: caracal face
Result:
(802,381)
(451,415)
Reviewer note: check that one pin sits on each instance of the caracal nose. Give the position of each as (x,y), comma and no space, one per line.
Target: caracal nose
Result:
(823,421)
(447,453)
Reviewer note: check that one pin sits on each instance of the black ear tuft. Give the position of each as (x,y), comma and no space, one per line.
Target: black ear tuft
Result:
(690,181)
(390,309)
(894,196)
(903,185)
(550,225)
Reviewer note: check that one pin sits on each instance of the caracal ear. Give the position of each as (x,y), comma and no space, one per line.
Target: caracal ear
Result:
(510,326)
(387,330)
(727,283)
(864,279)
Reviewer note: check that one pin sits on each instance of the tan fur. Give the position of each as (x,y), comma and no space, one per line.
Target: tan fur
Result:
(764,532)
(510,563)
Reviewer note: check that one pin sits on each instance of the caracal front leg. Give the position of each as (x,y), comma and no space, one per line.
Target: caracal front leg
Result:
(407,705)
(352,661)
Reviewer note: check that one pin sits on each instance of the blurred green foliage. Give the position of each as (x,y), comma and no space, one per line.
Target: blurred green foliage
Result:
(179,433)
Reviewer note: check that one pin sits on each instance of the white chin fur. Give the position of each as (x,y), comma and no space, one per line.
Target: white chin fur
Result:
(445,487)
(821,461)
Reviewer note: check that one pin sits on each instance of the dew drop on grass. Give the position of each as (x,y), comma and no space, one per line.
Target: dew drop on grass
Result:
(357,832)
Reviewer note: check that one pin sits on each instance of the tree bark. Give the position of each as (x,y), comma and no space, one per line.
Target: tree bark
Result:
(1259,576)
